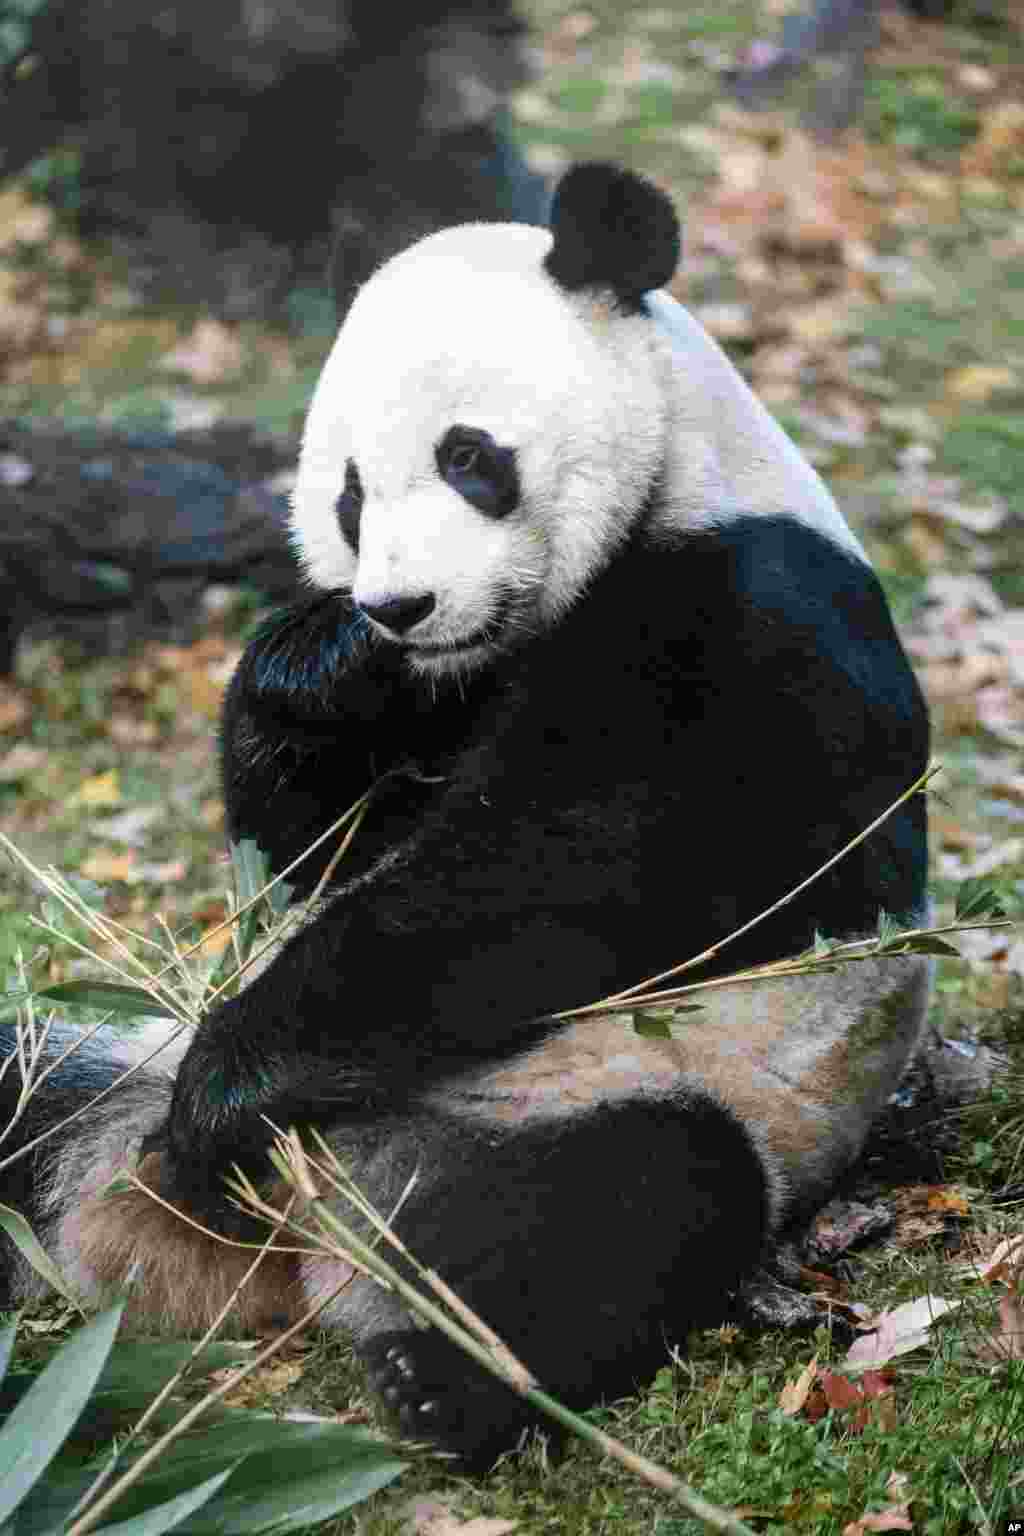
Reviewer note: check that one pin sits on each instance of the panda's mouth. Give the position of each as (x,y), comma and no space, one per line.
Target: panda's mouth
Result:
(486,635)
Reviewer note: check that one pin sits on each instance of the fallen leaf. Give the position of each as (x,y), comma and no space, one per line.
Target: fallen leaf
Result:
(948,1200)
(905,1328)
(267,1381)
(20,762)
(429,1517)
(977,383)
(885,1520)
(1004,1263)
(975,77)
(104,866)
(950,833)
(1001,136)
(1001,712)
(976,519)
(13,707)
(160,874)
(926,544)
(894,1517)
(825,321)
(728,322)
(1009,852)
(1009,1341)
(131,826)
(820,1282)
(209,354)
(214,945)
(841,1393)
(794,1394)
(101,789)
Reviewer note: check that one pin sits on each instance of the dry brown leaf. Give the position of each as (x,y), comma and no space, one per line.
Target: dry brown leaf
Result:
(101,789)
(926,543)
(1002,775)
(205,695)
(1005,1262)
(1001,136)
(841,1394)
(267,1381)
(794,1394)
(429,1517)
(977,383)
(952,834)
(209,354)
(22,220)
(820,1282)
(105,866)
(126,731)
(13,707)
(1009,1340)
(948,1199)
(21,761)
(169,873)
(216,944)
(817,325)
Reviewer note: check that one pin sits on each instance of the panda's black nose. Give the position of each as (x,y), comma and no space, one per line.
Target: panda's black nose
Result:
(399,614)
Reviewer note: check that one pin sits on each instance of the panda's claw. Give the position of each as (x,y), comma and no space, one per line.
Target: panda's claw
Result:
(431,1392)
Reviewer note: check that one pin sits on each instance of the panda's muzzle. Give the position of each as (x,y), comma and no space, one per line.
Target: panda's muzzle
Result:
(486,634)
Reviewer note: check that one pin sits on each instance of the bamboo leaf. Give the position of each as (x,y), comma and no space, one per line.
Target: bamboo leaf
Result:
(929,944)
(251,869)
(110,996)
(291,1474)
(656,1023)
(42,1420)
(977,898)
(33,1252)
(163,1517)
(7,1338)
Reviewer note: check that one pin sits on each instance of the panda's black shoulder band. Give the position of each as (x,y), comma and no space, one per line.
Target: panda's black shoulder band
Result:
(614,230)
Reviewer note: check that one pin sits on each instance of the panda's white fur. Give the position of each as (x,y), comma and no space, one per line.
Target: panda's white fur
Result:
(687,693)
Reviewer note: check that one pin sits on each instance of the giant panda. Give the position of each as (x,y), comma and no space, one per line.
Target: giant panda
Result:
(622,676)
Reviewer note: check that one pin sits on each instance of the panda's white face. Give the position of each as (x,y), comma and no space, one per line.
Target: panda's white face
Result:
(478,445)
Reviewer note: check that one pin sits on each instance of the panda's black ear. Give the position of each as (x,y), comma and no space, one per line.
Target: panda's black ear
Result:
(612,230)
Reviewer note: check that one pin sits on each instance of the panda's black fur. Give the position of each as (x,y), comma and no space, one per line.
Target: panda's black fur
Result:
(715,708)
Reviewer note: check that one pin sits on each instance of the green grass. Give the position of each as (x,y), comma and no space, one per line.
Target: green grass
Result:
(919,114)
(988,450)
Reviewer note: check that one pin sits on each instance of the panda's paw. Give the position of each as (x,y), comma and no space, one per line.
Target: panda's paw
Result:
(430,1391)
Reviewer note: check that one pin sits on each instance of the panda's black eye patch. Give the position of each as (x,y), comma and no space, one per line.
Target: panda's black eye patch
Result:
(472,463)
(349,506)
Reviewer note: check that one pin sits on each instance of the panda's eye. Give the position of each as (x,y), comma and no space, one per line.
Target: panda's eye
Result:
(481,470)
(349,506)
(463,458)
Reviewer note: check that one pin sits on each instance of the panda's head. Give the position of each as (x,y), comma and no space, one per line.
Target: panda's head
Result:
(490,422)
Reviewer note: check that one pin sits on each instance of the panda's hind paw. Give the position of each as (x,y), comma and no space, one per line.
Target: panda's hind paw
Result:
(429,1391)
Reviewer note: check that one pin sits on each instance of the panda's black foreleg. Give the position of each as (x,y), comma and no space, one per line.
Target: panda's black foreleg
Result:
(317,701)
